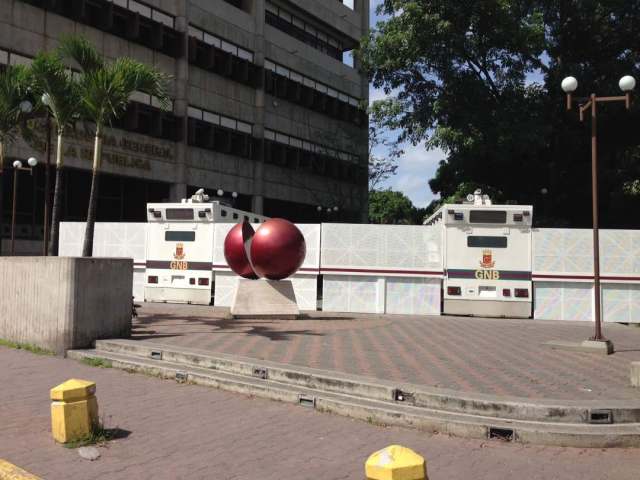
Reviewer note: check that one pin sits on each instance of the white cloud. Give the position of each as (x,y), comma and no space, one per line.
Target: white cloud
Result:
(415,168)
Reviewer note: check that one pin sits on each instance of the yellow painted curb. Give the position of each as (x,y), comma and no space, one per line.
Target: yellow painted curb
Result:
(8,471)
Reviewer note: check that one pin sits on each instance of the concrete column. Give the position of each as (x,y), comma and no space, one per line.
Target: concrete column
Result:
(178,189)
(257,203)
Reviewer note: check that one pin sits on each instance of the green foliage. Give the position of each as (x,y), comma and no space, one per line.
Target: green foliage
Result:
(105,89)
(481,80)
(15,84)
(25,346)
(99,435)
(56,89)
(97,362)
(391,207)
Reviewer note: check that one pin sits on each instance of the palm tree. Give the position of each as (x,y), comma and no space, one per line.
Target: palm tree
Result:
(15,82)
(105,90)
(58,92)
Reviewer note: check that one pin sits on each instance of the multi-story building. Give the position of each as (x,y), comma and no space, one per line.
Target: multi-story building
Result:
(267,106)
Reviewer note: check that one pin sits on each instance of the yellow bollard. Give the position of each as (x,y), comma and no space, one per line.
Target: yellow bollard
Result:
(8,471)
(396,463)
(74,410)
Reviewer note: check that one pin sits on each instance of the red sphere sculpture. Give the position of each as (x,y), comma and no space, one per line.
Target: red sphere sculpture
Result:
(236,248)
(277,249)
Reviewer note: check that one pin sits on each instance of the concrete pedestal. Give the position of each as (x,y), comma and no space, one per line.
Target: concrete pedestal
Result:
(265,299)
(604,347)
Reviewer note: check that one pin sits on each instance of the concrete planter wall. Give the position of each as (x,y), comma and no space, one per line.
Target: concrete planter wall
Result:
(60,303)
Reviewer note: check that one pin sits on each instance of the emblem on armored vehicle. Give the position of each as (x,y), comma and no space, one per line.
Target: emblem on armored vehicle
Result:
(487,259)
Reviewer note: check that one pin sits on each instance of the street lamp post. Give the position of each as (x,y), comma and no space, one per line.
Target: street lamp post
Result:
(25,107)
(17,167)
(569,85)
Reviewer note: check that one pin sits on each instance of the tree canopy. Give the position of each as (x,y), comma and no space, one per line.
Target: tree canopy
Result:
(481,80)
(392,207)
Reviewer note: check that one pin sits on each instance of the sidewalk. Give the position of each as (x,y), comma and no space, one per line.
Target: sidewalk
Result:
(186,431)
(491,356)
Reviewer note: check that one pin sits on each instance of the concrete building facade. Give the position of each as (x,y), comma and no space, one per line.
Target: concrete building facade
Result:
(264,104)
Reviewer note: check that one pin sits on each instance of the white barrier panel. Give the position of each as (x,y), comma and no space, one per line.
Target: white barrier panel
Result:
(381,268)
(413,296)
(563,300)
(117,239)
(563,274)
(405,250)
(621,303)
(381,294)
(353,294)
(569,253)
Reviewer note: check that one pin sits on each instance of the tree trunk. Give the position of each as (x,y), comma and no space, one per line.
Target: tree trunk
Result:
(54,242)
(87,248)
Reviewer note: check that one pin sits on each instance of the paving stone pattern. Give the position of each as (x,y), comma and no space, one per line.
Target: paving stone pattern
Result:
(492,356)
(175,431)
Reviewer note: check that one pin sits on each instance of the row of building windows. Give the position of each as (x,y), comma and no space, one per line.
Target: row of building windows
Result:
(231,62)
(295,26)
(222,120)
(317,97)
(206,50)
(206,129)
(218,42)
(136,22)
(216,132)
(147,11)
(309,146)
(309,82)
(295,158)
(221,139)
(234,62)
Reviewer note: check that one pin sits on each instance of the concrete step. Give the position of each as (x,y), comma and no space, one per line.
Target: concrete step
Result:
(378,411)
(511,408)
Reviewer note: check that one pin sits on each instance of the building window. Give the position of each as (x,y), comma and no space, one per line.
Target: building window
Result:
(129,19)
(218,42)
(215,54)
(235,3)
(284,83)
(294,153)
(220,133)
(298,28)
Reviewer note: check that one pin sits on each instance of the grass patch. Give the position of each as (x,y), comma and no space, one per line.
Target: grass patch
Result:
(97,362)
(98,436)
(25,346)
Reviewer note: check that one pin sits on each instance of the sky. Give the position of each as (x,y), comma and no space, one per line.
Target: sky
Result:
(417,165)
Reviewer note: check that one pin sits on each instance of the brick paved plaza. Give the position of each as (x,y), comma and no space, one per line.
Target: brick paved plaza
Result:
(492,356)
(186,431)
